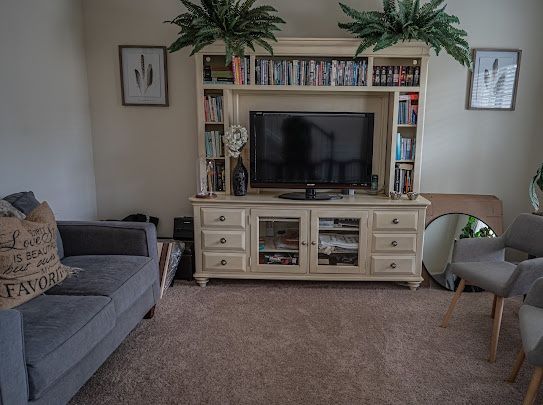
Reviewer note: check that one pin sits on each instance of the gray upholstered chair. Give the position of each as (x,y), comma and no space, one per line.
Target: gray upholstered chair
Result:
(481,262)
(531,330)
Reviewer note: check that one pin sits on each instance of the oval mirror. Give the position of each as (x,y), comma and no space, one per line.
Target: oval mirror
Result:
(439,242)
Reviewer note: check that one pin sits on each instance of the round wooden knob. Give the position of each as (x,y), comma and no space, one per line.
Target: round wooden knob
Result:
(304,243)
(394,243)
(393,265)
(223,240)
(222,218)
(396,221)
(313,243)
(224,262)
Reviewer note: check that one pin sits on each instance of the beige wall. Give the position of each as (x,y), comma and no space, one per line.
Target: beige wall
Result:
(145,157)
(45,131)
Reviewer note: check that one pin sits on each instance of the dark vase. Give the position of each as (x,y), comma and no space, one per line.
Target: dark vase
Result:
(240,178)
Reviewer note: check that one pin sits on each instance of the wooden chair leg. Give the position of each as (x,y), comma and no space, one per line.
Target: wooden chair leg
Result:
(496,329)
(150,314)
(494,306)
(533,388)
(516,367)
(457,294)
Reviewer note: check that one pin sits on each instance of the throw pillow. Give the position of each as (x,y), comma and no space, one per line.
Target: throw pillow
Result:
(29,262)
(26,202)
(8,210)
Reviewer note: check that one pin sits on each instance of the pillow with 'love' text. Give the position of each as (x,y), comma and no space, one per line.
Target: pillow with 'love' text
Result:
(29,261)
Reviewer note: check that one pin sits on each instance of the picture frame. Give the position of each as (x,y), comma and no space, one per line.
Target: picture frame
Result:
(144,75)
(494,79)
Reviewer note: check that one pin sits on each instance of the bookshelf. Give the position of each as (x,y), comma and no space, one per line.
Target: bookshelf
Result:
(400,93)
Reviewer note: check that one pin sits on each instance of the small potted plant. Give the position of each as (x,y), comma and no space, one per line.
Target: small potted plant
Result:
(537,182)
(235,139)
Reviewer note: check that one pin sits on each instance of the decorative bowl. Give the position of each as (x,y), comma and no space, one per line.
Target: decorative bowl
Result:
(394,195)
(412,195)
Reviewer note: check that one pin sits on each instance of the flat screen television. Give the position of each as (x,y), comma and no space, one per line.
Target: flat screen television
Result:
(311,150)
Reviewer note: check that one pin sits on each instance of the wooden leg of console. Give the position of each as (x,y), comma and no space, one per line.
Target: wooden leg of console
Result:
(413,285)
(202,281)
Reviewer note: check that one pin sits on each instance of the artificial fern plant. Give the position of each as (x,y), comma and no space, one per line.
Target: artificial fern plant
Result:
(406,20)
(537,182)
(236,22)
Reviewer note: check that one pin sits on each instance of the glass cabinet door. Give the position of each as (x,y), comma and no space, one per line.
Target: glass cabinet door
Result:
(280,238)
(338,241)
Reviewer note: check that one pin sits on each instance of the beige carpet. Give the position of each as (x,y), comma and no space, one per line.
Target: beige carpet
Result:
(240,342)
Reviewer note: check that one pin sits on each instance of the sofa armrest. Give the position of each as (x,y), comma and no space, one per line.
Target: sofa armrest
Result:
(108,238)
(535,295)
(479,250)
(13,376)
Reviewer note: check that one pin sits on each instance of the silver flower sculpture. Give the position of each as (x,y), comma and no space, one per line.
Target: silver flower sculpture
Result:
(235,139)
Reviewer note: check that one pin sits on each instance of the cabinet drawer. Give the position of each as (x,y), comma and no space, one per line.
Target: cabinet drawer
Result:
(223,218)
(401,243)
(395,220)
(223,240)
(229,262)
(392,265)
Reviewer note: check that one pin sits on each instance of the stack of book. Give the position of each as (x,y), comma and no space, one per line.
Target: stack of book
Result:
(311,72)
(408,109)
(213,108)
(396,76)
(405,148)
(240,70)
(213,144)
(403,178)
(216,175)
(218,74)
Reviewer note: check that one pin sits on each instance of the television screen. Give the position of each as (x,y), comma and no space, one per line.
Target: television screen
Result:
(305,149)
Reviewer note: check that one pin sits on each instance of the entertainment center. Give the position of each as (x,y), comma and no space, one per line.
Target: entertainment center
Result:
(314,87)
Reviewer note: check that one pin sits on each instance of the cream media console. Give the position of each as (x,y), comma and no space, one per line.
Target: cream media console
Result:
(357,238)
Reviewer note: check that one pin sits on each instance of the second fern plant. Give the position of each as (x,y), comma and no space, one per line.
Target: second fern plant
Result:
(236,22)
(406,20)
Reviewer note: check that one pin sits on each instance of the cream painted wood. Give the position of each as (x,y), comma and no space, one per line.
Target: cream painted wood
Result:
(392,265)
(316,215)
(227,262)
(248,209)
(395,220)
(223,218)
(302,217)
(394,243)
(223,240)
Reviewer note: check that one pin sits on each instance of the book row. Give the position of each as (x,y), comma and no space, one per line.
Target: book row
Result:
(311,72)
(238,72)
(403,178)
(396,76)
(405,148)
(408,109)
(216,175)
(213,144)
(213,108)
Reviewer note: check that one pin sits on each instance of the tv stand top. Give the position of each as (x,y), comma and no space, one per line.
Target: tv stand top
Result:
(272,198)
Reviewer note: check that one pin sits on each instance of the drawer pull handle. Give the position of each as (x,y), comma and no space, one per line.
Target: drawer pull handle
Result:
(304,243)
(223,240)
(394,243)
(222,218)
(393,265)
(396,221)
(224,262)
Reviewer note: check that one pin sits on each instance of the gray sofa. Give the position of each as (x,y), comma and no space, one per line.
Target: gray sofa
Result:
(51,345)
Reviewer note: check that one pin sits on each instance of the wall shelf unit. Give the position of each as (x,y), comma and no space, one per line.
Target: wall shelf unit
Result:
(357,238)
(400,108)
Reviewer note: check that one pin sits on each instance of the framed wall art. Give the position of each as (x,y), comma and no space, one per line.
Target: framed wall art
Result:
(144,75)
(494,80)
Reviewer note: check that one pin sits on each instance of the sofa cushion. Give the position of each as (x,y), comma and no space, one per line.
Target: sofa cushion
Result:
(58,332)
(122,278)
(26,202)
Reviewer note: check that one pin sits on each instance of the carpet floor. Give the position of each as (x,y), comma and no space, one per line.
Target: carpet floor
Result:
(249,342)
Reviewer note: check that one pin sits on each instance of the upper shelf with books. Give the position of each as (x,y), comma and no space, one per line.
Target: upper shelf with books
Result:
(216,72)
(328,89)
